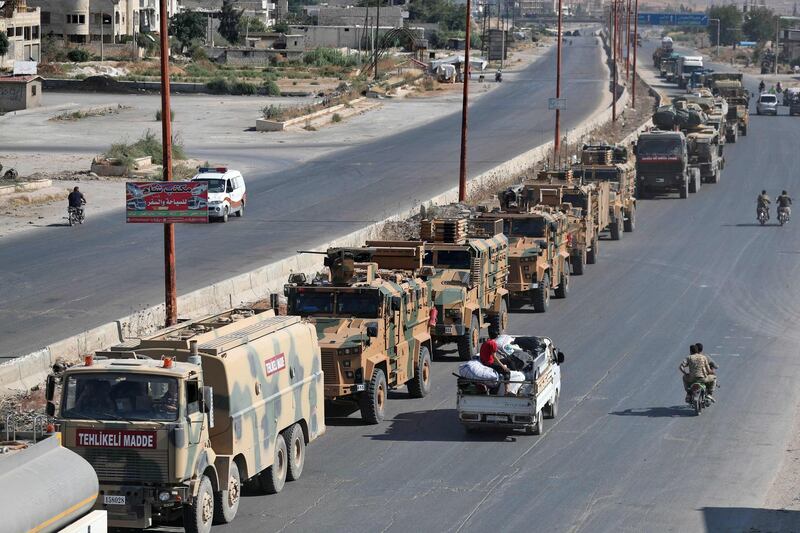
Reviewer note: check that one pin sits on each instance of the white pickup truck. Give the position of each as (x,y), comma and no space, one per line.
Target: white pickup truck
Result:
(486,404)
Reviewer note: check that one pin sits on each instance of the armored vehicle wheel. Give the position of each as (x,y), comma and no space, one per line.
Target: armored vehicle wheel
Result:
(577,264)
(240,212)
(373,399)
(540,296)
(630,222)
(616,230)
(273,478)
(199,515)
(296,451)
(563,286)
(591,255)
(499,322)
(551,410)
(468,342)
(226,503)
(684,192)
(420,386)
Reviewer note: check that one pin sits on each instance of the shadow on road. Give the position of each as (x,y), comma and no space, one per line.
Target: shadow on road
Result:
(753,225)
(436,425)
(750,520)
(657,412)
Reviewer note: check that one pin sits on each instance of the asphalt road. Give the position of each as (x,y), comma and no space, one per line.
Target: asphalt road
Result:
(624,454)
(59,280)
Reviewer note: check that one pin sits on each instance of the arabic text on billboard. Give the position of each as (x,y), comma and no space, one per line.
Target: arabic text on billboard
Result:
(166,201)
(674,19)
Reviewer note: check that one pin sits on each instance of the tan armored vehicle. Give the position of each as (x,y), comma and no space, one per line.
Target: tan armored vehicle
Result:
(538,254)
(174,424)
(371,314)
(610,164)
(467,278)
(729,86)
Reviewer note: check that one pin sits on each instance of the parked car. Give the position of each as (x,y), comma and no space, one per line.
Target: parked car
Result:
(227,194)
(767,104)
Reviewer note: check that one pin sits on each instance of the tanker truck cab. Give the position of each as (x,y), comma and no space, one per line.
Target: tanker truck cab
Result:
(175,424)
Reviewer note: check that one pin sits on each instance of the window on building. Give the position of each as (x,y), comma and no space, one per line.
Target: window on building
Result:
(19,31)
(33,90)
(116,17)
(10,32)
(27,34)
(45,17)
(81,19)
(35,32)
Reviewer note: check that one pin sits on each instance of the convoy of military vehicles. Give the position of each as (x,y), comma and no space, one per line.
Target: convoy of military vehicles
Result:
(176,424)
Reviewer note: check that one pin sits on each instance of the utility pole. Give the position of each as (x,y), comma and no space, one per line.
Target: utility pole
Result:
(557,133)
(171,295)
(628,40)
(635,46)
(777,41)
(614,4)
(462,174)
(377,34)
(102,36)
(717,21)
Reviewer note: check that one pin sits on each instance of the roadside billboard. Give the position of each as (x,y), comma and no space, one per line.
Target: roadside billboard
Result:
(159,202)
(674,19)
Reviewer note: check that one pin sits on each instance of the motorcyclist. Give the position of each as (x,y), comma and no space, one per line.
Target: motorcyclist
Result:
(761,87)
(762,202)
(76,200)
(784,203)
(696,368)
(778,87)
(498,76)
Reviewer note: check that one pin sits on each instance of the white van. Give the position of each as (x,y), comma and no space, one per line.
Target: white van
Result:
(226,191)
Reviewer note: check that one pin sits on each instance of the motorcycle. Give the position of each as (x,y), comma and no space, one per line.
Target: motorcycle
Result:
(783,216)
(763,215)
(75,215)
(498,76)
(698,397)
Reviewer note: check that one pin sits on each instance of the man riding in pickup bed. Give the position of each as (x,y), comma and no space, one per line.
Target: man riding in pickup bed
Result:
(489,357)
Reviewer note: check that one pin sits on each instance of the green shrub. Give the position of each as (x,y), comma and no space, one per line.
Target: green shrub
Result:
(271,88)
(147,145)
(218,86)
(243,87)
(78,55)
(171,115)
(336,118)
(321,57)
(272,112)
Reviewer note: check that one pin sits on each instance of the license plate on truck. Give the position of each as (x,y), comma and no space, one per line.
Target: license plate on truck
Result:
(114,499)
(496,418)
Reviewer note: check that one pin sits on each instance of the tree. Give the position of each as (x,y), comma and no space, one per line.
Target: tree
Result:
(3,44)
(759,24)
(251,25)
(188,26)
(450,16)
(229,19)
(281,27)
(730,19)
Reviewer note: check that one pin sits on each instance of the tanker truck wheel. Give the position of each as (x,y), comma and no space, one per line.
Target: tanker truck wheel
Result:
(296,451)
(273,478)
(540,296)
(226,504)
(373,399)
(684,192)
(199,515)
(616,230)
(591,255)
(744,131)
(630,222)
(420,385)
(468,342)
(578,262)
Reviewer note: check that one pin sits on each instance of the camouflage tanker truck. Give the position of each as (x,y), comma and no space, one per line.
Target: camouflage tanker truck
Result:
(371,314)
(538,254)
(467,279)
(606,163)
(174,424)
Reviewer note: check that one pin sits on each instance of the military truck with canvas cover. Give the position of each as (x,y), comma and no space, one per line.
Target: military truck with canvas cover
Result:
(729,86)
(662,164)
(371,312)
(606,163)
(703,149)
(468,284)
(538,254)
(174,424)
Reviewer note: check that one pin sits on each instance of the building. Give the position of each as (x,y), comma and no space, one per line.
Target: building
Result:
(20,92)
(790,44)
(260,49)
(355,37)
(263,10)
(85,21)
(21,24)
(392,16)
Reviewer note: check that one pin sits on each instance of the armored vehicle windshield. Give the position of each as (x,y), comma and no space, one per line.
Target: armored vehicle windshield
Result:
(363,303)
(525,227)
(448,258)
(114,396)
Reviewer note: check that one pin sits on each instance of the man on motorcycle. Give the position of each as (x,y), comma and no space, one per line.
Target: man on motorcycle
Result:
(784,202)
(696,368)
(761,87)
(76,199)
(762,203)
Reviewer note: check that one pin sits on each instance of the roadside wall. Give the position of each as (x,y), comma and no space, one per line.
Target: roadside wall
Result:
(29,370)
